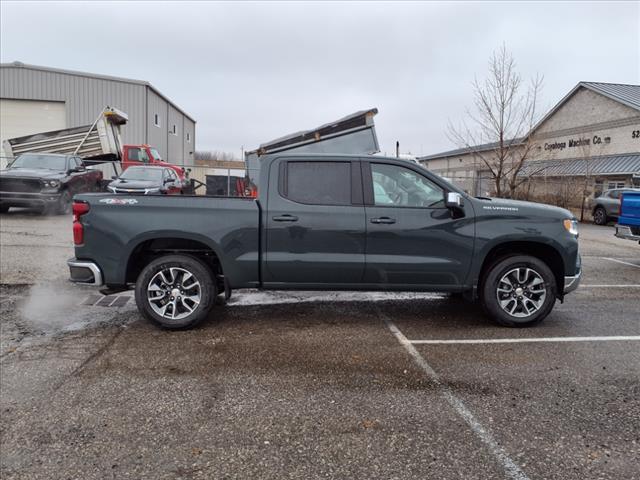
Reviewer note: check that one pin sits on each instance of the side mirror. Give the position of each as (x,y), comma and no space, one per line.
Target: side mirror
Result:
(114,177)
(454,200)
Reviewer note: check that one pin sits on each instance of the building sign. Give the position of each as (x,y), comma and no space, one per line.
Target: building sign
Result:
(577,142)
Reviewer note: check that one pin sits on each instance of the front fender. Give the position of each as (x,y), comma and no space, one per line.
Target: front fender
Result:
(517,232)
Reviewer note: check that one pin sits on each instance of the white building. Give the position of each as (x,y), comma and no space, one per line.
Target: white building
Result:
(593,133)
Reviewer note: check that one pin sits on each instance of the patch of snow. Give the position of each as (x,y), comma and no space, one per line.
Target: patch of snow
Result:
(256,297)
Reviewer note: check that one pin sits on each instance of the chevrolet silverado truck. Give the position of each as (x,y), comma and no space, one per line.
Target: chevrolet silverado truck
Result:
(628,226)
(46,181)
(327,222)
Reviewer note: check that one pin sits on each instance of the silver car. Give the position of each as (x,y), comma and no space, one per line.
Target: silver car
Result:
(606,207)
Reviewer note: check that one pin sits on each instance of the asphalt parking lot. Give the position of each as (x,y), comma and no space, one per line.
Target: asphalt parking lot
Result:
(310,385)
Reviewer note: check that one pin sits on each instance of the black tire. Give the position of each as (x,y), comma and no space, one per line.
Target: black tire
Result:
(63,207)
(151,274)
(524,297)
(600,216)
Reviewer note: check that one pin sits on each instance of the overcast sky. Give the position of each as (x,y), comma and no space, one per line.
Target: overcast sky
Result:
(250,72)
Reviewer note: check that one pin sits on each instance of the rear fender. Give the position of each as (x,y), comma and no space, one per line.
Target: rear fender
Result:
(158,235)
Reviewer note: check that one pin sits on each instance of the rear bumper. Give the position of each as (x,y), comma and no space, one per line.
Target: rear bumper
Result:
(84,272)
(623,231)
(572,282)
(18,199)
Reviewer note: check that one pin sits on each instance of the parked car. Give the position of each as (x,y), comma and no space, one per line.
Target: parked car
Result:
(606,207)
(46,181)
(146,180)
(628,226)
(328,222)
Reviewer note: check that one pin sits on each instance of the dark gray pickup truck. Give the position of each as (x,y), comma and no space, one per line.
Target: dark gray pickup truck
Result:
(327,222)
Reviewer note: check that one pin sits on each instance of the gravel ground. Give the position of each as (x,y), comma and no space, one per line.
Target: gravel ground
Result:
(311,385)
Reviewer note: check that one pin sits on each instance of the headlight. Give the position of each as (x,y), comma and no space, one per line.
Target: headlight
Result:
(571,225)
(113,189)
(51,183)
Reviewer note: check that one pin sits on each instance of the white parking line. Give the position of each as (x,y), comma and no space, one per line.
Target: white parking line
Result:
(620,261)
(475,341)
(511,469)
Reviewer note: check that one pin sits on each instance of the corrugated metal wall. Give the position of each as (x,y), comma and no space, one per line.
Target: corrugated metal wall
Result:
(85,96)
(157,134)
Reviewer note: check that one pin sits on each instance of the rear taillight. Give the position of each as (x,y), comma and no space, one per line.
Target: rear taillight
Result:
(79,209)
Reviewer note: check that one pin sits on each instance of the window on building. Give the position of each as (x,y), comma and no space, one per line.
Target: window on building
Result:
(156,120)
(598,187)
(319,183)
(615,185)
(188,137)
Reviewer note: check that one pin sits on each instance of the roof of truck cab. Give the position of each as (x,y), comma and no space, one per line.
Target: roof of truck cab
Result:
(329,156)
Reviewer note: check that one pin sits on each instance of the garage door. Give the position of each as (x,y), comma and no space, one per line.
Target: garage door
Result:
(24,117)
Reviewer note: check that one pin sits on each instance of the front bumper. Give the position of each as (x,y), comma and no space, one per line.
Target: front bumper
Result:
(623,231)
(18,199)
(572,282)
(84,272)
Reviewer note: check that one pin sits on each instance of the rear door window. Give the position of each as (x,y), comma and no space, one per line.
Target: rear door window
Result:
(318,183)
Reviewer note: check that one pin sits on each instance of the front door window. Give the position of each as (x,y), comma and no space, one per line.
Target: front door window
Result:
(396,186)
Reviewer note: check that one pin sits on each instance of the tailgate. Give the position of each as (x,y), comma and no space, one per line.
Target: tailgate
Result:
(630,209)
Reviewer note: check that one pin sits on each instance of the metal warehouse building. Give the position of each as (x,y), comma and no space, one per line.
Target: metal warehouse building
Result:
(591,137)
(36,99)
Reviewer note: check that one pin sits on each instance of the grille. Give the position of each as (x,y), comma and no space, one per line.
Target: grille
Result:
(24,185)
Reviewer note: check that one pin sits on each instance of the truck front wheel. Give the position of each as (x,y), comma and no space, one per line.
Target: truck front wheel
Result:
(518,291)
(175,291)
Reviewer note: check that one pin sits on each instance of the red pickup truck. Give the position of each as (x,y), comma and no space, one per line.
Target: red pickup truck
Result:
(140,155)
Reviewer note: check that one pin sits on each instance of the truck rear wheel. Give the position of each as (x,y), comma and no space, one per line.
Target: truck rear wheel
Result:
(518,291)
(175,291)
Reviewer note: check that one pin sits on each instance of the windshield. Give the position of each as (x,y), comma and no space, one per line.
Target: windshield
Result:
(144,174)
(47,162)
(155,154)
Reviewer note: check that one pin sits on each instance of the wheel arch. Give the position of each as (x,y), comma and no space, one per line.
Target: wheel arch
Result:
(544,252)
(144,249)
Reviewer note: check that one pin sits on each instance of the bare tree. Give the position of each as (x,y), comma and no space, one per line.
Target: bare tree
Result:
(503,116)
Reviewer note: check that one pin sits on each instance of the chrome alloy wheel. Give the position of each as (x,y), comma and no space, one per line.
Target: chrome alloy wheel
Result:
(521,292)
(173,293)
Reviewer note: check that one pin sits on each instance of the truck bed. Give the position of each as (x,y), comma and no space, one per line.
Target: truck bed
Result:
(628,225)
(118,225)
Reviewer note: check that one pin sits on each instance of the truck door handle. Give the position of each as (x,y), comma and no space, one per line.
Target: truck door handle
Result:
(285,218)
(385,220)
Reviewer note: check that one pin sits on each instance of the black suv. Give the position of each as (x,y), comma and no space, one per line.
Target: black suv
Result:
(46,181)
